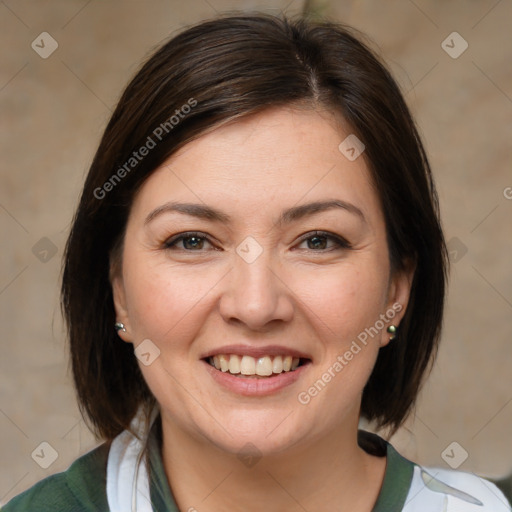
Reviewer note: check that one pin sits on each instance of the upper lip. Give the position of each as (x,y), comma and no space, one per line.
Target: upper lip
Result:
(256,352)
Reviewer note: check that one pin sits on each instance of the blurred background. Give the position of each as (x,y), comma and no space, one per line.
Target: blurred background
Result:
(64,65)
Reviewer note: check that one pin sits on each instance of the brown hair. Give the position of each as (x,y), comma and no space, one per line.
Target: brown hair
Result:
(224,69)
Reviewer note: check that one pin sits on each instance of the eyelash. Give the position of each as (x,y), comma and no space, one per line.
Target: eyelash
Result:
(340,242)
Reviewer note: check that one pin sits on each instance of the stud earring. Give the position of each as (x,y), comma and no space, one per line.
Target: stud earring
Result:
(118,326)
(391,330)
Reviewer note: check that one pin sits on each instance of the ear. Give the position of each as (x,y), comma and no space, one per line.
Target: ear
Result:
(119,296)
(399,290)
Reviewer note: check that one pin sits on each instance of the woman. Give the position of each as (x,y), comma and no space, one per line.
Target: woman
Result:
(256,263)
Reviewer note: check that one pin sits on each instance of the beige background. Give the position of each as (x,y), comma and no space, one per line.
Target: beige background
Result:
(53,112)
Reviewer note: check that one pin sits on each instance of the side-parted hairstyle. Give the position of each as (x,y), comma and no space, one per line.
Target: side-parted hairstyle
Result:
(212,73)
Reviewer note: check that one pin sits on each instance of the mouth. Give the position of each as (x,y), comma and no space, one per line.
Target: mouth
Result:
(248,367)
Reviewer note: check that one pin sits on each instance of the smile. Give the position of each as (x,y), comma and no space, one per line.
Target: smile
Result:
(251,367)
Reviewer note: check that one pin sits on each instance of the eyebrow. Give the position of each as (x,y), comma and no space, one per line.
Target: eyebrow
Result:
(288,216)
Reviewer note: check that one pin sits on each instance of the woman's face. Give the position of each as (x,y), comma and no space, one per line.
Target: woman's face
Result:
(225,255)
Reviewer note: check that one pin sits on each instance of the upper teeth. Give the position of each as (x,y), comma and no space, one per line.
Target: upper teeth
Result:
(247,365)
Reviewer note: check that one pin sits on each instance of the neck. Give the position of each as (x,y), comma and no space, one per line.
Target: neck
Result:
(329,473)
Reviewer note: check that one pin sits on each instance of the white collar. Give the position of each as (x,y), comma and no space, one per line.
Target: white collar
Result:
(127,477)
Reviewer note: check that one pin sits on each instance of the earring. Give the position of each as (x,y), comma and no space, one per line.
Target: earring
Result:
(392,330)
(118,326)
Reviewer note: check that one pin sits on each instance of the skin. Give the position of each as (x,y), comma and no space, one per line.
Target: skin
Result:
(302,293)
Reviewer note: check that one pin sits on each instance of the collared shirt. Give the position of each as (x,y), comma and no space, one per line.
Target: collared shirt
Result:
(407,487)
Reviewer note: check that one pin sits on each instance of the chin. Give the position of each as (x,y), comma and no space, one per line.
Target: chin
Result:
(258,434)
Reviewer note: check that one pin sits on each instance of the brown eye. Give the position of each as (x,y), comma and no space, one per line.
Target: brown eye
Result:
(190,242)
(318,241)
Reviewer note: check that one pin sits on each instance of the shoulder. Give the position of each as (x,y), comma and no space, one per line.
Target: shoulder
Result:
(455,491)
(81,488)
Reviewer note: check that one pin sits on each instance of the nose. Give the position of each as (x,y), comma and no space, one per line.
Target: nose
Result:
(256,293)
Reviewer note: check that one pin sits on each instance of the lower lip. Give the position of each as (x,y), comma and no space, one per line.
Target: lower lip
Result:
(255,386)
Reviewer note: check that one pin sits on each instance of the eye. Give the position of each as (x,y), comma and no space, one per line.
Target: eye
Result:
(192,241)
(317,241)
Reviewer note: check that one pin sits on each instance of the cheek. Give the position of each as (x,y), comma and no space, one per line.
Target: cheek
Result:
(345,304)
(167,305)
(347,299)
(162,298)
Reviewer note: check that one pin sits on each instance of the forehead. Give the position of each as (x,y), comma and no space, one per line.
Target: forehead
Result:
(279,156)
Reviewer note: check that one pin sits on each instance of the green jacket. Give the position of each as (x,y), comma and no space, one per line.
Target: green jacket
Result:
(406,486)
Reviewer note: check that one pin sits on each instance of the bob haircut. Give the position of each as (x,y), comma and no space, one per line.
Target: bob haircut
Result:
(215,72)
